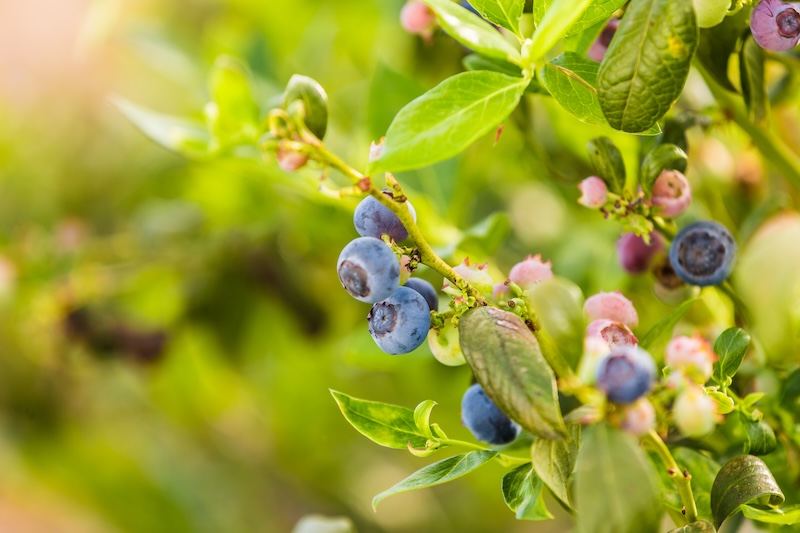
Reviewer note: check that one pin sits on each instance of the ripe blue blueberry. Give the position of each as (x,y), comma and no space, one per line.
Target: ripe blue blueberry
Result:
(703,253)
(400,323)
(373,219)
(368,270)
(626,374)
(484,419)
(426,290)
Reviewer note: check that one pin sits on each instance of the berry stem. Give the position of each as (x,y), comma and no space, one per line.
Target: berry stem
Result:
(504,459)
(427,255)
(774,150)
(682,478)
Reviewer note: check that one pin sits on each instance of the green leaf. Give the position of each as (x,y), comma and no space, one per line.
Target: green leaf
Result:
(598,12)
(447,119)
(717,43)
(581,42)
(389,425)
(505,13)
(696,527)
(233,113)
(556,22)
(559,306)
(506,360)
(731,348)
(607,162)
(315,102)
(438,473)
(787,516)
(554,462)
(614,486)
(647,63)
(743,479)
(752,74)
(481,239)
(665,325)
(522,492)
(662,157)
(422,417)
(570,78)
(479,62)
(185,137)
(759,436)
(473,32)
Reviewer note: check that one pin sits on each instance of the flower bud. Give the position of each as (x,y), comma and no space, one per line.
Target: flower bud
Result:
(672,193)
(594,192)
(530,272)
(612,306)
(694,413)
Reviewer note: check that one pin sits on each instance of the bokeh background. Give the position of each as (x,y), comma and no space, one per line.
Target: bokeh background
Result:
(169,329)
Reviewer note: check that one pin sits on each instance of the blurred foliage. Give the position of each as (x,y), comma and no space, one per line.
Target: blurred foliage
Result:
(169,329)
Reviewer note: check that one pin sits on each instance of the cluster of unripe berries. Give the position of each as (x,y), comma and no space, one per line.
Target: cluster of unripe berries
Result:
(369,271)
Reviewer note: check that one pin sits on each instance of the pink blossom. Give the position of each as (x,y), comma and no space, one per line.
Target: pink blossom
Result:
(531,272)
(613,306)
(594,192)
(672,192)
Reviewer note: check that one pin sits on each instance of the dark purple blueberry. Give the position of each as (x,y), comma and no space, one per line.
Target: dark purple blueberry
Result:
(626,374)
(368,269)
(483,418)
(703,253)
(426,290)
(400,323)
(373,219)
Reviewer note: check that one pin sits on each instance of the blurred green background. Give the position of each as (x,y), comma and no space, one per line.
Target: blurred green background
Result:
(169,329)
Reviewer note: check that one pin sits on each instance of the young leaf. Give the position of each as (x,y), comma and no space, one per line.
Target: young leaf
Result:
(438,473)
(724,402)
(235,113)
(665,325)
(522,492)
(598,12)
(615,488)
(759,436)
(506,360)
(422,417)
(473,32)
(571,78)
(505,13)
(787,516)
(557,20)
(607,162)
(554,462)
(647,63)
(389,425)
(662,157)
(696,527)
(315,102)
(447,119)
(754,87)
(185,137)
(731,348)
(742,480)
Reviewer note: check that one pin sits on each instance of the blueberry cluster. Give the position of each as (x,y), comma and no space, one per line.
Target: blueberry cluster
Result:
(370,272)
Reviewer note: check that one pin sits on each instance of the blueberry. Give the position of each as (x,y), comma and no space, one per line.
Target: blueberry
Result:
(400,323)
(373,219)
(776,24)
(484,419)
(426,290)
(634,254)
(600,45)
(703,253)
(368,270)
(626,374)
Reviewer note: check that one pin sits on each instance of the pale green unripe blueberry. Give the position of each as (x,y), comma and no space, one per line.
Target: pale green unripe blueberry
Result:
(445,346)
(694,413)
(710,12)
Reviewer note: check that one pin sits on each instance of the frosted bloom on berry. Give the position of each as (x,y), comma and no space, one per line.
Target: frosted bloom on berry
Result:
(615,334)
(672,193)
(613,306)
(694,413)
(476,275)
(530,272)
(417,18)
(639,417)
(691,355)
(634,254)
(776,25)
(594,192)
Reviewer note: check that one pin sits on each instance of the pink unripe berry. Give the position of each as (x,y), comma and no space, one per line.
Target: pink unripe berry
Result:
(613,306)
(615,334)
(417,18)
(530,272)
(635,255)
(691,355)
(600,45)
(694,413)
(290,160)
(672,192)
(476,275)
(594,192)
(776,24)
(639,417)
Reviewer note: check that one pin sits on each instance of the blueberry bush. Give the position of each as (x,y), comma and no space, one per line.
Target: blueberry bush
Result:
(571,224)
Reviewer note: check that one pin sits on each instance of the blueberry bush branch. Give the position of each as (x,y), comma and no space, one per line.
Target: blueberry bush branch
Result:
(681,477)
